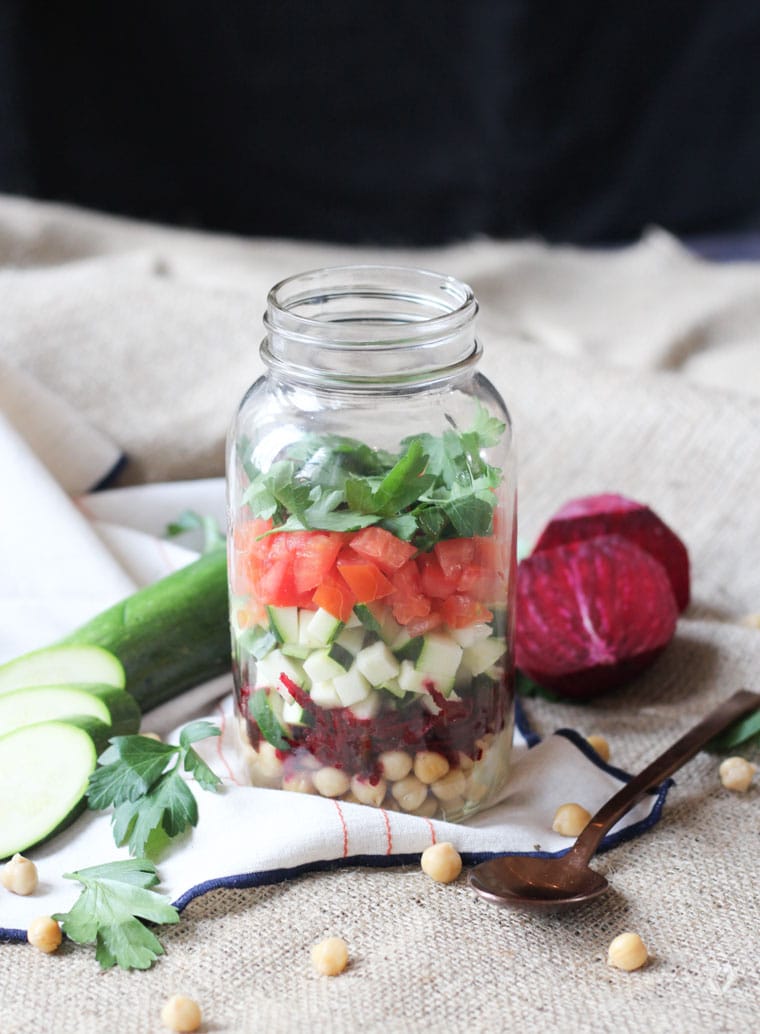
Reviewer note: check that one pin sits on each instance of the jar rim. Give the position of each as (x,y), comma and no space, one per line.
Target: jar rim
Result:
(372,280)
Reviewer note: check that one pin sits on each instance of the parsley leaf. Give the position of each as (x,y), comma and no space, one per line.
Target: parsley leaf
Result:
(115,898)
(152,803)
(189,520)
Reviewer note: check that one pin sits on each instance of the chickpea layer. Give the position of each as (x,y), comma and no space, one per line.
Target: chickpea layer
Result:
(330,957)
(181,1013)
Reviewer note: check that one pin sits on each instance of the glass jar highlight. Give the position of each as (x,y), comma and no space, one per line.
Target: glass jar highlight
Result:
(371,495)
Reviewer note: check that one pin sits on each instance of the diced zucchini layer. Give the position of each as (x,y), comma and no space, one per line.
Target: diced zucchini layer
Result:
(369,662)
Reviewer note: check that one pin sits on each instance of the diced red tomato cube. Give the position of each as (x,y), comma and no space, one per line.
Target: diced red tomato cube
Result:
(315,556)
(421,626)
(482,583)
(407,608)
(386,550)
(433,579)
(366,581)
(454,554)
(460,610)
(334,596)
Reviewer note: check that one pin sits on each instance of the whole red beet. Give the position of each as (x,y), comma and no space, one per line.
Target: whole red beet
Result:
(591,615)
(610,514)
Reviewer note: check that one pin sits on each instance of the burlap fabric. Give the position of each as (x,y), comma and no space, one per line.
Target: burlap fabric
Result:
(154,335)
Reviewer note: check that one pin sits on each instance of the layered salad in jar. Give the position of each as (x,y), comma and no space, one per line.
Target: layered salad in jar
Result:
(371,624)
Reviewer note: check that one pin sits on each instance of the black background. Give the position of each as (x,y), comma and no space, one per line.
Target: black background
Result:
(389,122)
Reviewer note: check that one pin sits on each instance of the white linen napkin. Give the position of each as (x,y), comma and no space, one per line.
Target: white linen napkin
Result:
(62,560)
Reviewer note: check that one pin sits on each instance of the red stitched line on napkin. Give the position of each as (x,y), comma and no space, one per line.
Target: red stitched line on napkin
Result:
(432,831)
(345,829)
(388,834)
(219,739)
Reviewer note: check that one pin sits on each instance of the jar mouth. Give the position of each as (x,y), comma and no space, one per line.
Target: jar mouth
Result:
(360,324)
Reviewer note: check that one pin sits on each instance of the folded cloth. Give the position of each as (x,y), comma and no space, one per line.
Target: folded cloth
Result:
(245,836)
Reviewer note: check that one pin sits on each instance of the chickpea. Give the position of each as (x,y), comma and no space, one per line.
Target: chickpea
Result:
(450,786)
(181,1013)
(19,875)
(298,781)
(570,820)
(441,862)
(45,934)
(366,793)
(397,764)
(628,952)
(428,808)
(429,766)
(330,956)
(737,774)
(269,765)
(465,761)
(409,792)
(600,745)
(331,782)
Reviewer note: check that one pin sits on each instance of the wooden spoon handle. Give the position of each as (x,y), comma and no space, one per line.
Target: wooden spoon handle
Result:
(682,751)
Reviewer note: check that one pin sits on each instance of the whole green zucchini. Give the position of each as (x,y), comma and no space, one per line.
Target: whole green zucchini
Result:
(171,635)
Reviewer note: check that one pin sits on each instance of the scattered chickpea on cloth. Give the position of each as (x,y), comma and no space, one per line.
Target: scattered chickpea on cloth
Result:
(44,934)
(570,820)
(627,952)
(330,957)
(181,1014)
(19,875)
(737,774)
(441,862)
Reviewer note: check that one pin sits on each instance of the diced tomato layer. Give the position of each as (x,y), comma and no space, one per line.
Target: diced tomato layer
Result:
(450,585)
(388,552)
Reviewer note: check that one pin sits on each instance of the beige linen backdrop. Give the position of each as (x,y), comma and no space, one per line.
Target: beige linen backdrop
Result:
(635,371)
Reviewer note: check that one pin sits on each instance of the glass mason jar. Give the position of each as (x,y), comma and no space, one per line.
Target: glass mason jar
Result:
(371,495)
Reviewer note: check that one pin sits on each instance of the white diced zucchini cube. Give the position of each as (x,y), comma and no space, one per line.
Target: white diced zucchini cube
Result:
(284,623)
(440,655)
(322,628)
(483,654)
(369,707)
(320,666)
(351,639)
(323,694)
(377,663)
(471,634)
(351,687)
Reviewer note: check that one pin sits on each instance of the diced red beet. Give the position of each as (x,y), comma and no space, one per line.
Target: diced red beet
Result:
(610,514)
(591,614)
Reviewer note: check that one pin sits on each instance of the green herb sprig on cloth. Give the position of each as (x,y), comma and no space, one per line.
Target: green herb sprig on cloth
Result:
(116,896)
(142,779)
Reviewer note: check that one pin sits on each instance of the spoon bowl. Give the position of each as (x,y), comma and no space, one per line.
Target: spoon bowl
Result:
(566,881)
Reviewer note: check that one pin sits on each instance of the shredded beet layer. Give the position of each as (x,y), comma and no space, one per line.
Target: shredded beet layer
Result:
(336,737)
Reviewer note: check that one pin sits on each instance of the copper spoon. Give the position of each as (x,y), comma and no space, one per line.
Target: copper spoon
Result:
(551,884)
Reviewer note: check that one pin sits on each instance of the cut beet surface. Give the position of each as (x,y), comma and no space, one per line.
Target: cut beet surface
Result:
(609,514)
(591,615)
